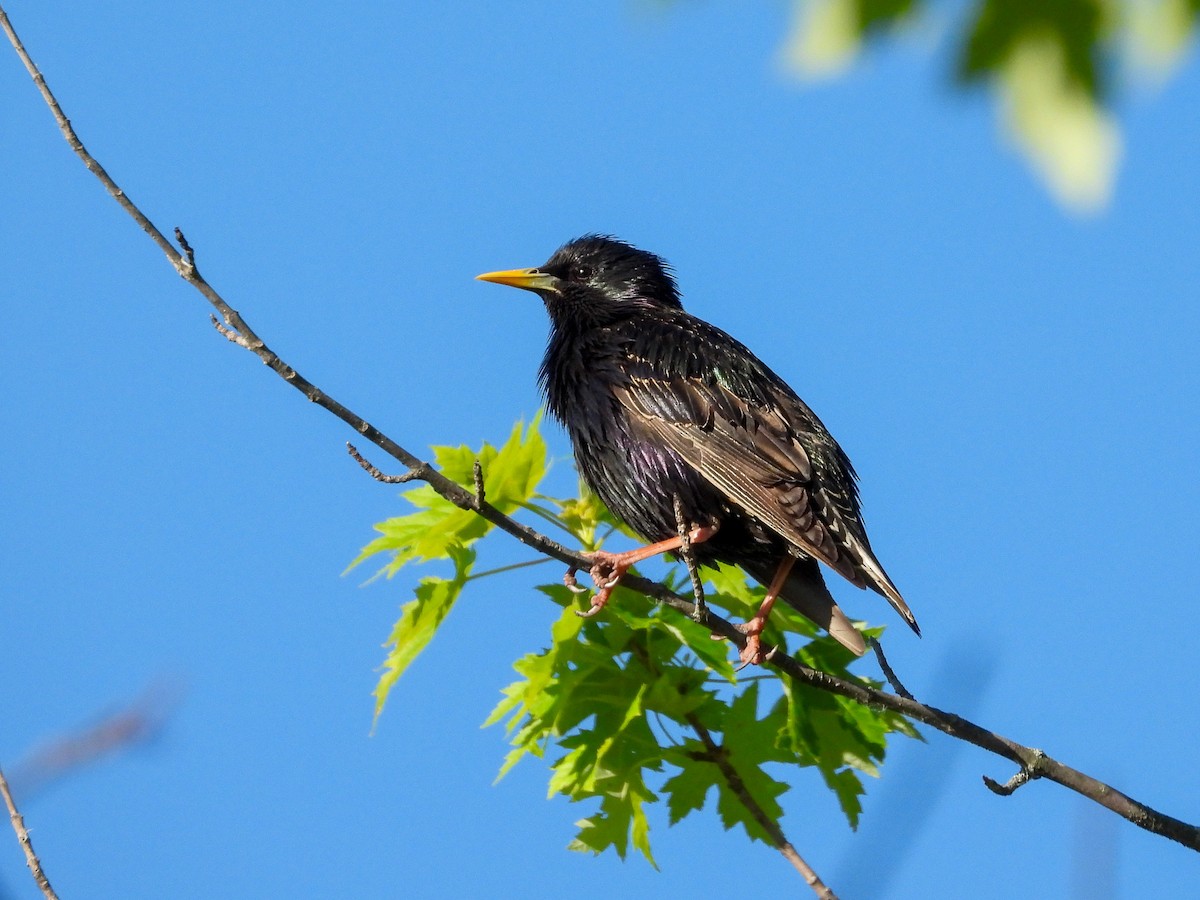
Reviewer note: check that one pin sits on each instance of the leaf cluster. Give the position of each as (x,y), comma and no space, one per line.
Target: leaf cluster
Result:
(639,705)
(1053,64)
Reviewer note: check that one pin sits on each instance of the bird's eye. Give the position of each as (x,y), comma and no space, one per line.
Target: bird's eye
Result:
(580,272)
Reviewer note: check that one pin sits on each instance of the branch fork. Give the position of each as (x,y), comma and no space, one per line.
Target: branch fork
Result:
(1028,772)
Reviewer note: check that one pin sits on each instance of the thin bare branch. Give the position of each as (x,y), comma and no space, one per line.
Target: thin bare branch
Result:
(718,757)
(1024,775)
(1036,762)
(375,473)
(18,824)
(511,567)
(888,673)
(227,332)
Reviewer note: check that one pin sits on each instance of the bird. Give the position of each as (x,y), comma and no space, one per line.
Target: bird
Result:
(689,438)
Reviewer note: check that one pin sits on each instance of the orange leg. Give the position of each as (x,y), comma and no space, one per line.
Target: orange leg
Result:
(609,568)
(752,653)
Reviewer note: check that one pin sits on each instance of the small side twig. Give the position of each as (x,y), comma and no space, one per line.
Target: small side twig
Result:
(31,859)
(477,476)
(888,673)
(1027,773)
(411,475)
(700,613)
(188,252)
(227,332)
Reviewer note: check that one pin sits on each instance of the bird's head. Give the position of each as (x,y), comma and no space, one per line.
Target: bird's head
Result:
(596,279)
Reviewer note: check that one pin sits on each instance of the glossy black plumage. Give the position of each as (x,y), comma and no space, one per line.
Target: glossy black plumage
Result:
(660,404)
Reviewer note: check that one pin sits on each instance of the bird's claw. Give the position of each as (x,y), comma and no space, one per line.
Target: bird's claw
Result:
(607,571)
(591,611)
(752,653)
(598,603)
(572,584)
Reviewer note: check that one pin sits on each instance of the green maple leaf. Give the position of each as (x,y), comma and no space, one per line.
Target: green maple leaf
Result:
(419,621)
(620,821)
(687,792)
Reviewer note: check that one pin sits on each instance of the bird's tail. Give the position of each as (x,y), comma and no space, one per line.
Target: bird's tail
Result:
(806,592)
(878,581)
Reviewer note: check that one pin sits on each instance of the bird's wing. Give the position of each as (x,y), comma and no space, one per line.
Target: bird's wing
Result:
(748,434)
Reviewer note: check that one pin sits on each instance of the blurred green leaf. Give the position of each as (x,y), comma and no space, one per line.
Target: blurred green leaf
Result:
(1049,59)
(1000,28)
(1063,129)
(826,35)
(1051,63)
(876,14)
(1159,31)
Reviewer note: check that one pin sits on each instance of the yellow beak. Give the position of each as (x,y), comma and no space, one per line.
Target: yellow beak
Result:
(528,279)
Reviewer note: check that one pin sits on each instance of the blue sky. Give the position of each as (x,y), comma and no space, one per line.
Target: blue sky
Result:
(1017,389)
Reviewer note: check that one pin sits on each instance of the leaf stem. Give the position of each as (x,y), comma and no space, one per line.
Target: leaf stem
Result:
(509,568)
(549,517)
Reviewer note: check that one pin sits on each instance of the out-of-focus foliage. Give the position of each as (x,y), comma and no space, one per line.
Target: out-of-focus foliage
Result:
(1056,66)
(638,705)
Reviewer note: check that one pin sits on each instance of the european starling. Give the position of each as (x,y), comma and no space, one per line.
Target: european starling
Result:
(668,415)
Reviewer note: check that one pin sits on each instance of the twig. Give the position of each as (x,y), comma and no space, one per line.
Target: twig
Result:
(227,332)
(888,673)
(416,472)
(188,252)
(477,477)
(718,757)
(18,823)
(689,559)
(511,567)
(1027,773)
(1044,766)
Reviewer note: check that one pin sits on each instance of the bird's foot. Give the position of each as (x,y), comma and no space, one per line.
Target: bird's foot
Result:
(752,653)
(608,568)
(607,571)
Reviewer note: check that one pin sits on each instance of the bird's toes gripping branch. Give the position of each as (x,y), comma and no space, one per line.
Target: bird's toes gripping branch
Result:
(752,653)
(609,568)
(607,571)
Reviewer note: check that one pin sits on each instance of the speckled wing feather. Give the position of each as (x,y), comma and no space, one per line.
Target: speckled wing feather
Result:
(743,430)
